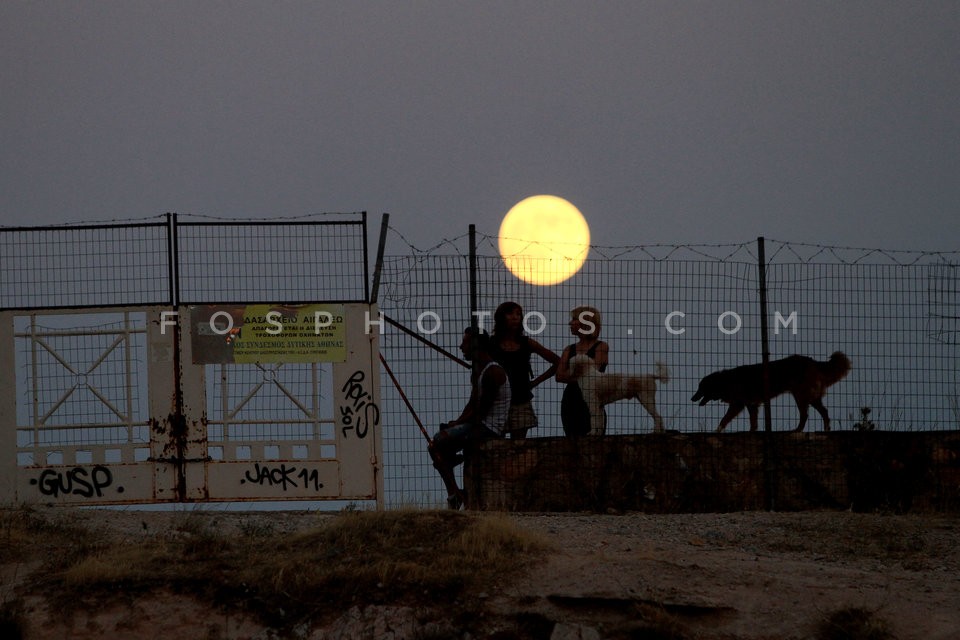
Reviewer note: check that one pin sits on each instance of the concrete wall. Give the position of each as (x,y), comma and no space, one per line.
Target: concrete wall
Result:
(670,473)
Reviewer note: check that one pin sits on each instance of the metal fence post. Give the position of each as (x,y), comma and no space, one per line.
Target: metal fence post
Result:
(474,322)
(172,259)
(378,267)
(769,463)
(366,260)
(176,421)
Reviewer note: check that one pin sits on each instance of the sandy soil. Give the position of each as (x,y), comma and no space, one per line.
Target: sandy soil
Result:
(756,575)
(712,576)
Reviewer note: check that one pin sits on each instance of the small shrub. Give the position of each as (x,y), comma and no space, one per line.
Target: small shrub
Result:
(854,624)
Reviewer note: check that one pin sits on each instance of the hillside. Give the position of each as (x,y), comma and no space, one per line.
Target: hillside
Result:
(404,574)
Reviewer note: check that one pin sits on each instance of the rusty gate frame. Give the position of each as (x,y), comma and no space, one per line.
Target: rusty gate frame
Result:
(173,464)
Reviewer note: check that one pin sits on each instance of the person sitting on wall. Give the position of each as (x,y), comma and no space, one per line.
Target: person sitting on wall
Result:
(483,417)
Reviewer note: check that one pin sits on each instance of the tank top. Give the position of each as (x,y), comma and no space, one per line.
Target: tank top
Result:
(496,418)
(517,365)
(574,412)
(590,353)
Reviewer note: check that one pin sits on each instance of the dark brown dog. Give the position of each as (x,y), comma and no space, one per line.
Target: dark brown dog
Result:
(804,378)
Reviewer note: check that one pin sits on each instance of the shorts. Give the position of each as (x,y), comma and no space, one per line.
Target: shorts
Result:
(521,416)
(450,440)
(466,431)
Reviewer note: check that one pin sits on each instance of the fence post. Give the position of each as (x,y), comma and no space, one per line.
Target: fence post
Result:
(172,275)
(769,464)
(473,276)
(366,258)
(474,321)
(379,265)
(176,422)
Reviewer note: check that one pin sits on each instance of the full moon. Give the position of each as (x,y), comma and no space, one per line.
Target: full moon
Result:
(544,240)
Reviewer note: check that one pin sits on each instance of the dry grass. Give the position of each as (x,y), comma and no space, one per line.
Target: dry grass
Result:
(854,624)
(284,572)
(282,579)
(23,533)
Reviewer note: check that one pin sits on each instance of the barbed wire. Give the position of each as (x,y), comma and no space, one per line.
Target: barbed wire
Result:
(68,225)
(857,255)
(777,251)
(452,242)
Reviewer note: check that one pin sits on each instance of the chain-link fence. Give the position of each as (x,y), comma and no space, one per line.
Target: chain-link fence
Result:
(697,310)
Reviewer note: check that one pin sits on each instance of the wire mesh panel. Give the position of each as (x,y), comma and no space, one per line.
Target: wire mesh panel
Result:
(82,410)
(85,266)
(696,310)
(650,312)
(293,424)
(270,412)
(430,298)
(78,394)
(635,299)
(272,262)
(897,324)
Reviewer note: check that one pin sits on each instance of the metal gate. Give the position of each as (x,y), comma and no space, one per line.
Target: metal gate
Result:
(110,404)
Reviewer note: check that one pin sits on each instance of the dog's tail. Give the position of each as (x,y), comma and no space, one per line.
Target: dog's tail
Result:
(661,373)
(835,368)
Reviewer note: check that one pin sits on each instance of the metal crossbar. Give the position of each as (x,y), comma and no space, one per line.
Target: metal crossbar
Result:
(180,261)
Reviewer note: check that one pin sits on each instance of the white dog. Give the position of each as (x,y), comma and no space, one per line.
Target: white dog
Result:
(601,389)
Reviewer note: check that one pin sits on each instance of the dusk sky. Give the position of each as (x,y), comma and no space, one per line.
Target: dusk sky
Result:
(833,123)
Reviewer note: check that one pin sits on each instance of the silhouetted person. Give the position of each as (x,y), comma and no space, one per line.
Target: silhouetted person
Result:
(484,416)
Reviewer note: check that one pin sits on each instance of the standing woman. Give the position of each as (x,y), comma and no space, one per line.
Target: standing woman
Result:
(585,325)
(510,347)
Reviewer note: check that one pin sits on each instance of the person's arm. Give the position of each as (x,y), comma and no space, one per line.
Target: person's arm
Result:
(601,355)
(547,355)
(468,409)
(563,372)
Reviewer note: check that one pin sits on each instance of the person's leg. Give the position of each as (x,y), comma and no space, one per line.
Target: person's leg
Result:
(447,443)
(520,420)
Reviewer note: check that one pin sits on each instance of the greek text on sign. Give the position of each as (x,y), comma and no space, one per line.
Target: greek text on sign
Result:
(225,334)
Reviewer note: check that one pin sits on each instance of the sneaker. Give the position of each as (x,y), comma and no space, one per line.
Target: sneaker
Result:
(454,501)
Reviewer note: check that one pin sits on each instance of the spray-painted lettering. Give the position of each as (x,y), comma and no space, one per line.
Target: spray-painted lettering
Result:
(283,476)
(77,482)
(358,412)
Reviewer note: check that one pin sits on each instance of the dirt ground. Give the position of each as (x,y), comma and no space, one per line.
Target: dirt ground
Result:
(758,575)
(712,576)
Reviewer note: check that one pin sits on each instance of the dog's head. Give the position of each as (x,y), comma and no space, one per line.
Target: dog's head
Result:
(708,389)
(580,365)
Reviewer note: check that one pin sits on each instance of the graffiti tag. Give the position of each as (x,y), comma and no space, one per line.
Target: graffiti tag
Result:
(282,476)
(77,482)
(358,412)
